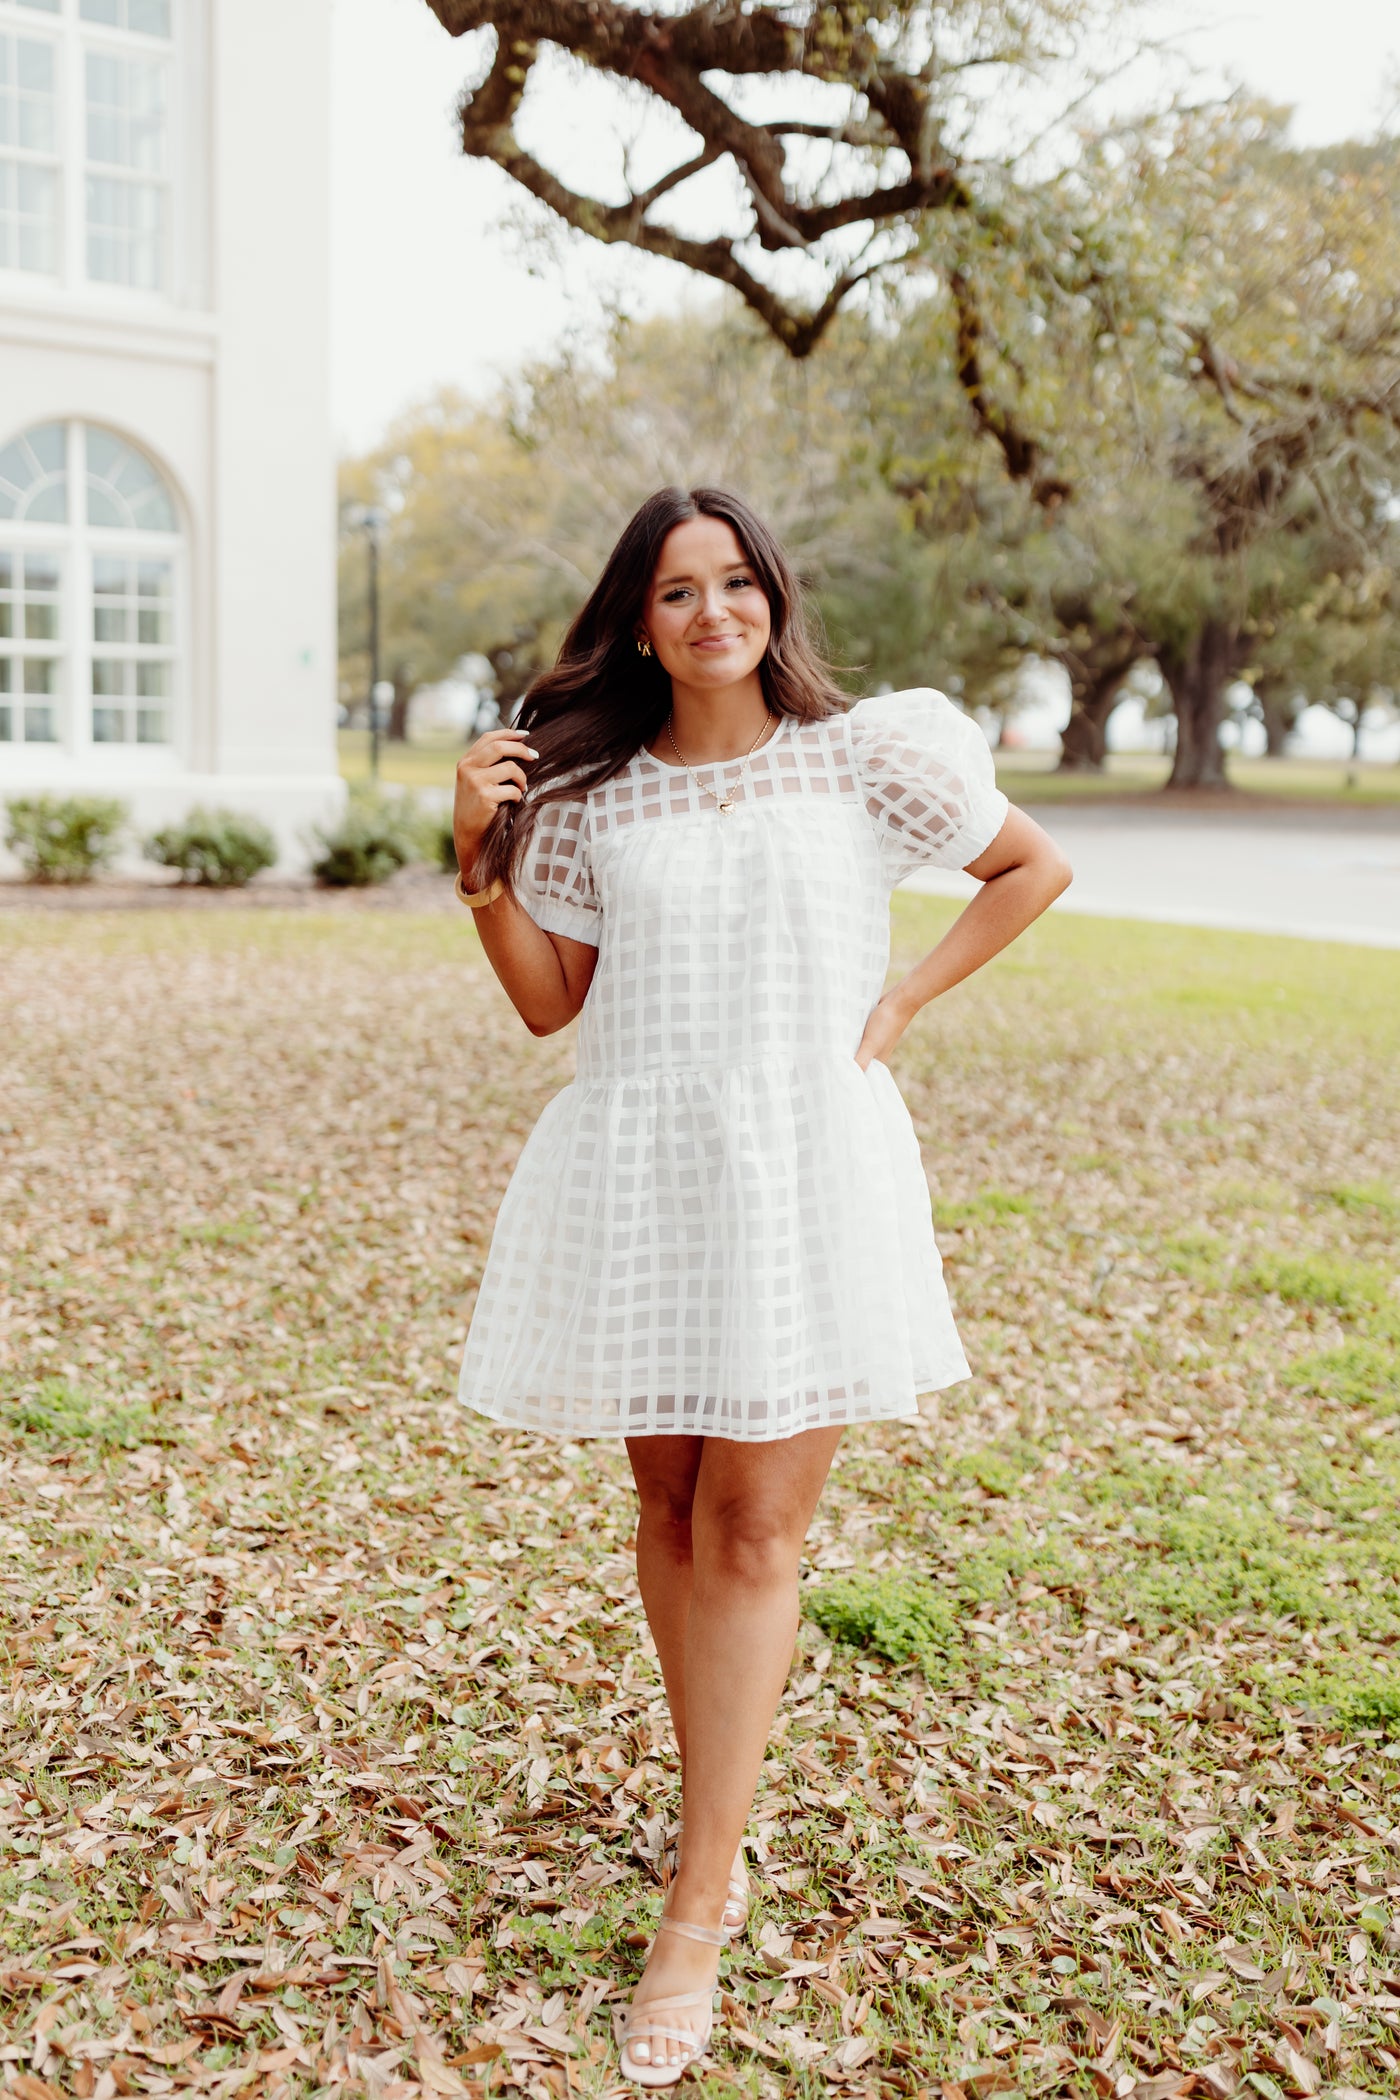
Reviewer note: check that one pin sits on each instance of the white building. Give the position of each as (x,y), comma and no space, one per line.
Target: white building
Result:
(167,526)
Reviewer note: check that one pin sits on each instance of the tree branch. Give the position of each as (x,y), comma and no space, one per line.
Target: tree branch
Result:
(1022,453)
(676,57)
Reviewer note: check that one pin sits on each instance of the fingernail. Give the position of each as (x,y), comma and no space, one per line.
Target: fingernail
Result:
(531,754)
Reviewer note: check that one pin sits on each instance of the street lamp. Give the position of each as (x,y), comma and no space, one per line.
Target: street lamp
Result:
(371,521)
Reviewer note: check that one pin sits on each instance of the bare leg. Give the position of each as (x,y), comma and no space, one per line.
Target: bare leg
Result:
(749,1516)
(666,1469)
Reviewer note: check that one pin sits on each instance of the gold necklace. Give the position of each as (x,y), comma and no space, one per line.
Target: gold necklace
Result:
(724,803)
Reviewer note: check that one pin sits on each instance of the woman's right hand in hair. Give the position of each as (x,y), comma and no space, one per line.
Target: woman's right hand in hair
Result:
(490,773)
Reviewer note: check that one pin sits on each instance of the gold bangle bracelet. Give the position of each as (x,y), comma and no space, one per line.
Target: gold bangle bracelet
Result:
(477,898)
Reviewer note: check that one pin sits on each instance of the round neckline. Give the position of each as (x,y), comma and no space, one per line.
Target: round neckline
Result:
(708,765)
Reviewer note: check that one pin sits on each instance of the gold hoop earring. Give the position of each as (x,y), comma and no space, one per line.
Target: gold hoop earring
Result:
(643,646)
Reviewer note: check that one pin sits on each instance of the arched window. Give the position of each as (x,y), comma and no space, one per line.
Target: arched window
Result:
(90,556)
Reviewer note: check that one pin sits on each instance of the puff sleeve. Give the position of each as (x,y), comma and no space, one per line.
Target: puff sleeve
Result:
(555,884)
(927,776)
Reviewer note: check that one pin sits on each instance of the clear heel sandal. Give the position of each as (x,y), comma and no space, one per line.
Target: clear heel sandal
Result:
(735,1915)
(646,2023)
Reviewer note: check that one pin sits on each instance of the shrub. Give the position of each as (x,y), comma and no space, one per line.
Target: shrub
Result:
(64,838)
(442,847)
(217,848)
(378,835)
(899,1617)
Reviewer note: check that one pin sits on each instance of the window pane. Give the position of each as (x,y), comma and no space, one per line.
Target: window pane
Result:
(48,442)
(153,628)
(28,120)
(126,128)
(35,220)
(38,726)
(7,619)
(108,725)
(103,505)
(124,489)
(147,245)
(141,17)
(150,725)
(6,674)
(41,622)
(125,112)
(153,681)
(42,571)
(108,681)
(36,110)
(154,579)
(50,505)
(109,623)
(104,256)
(146,102)
(40,674)
(104,135)
(6,730)
(7,570)
(110,573)
(31,470)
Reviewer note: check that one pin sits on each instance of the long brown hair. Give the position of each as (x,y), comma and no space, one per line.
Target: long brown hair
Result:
(603,700)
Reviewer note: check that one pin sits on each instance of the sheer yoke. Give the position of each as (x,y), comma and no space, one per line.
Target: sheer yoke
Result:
(722,1228)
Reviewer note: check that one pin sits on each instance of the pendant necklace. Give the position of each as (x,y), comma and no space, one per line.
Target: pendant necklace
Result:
(724,803)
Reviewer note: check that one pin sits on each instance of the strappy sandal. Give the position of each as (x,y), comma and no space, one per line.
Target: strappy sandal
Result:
(643,2025)
(735,1915)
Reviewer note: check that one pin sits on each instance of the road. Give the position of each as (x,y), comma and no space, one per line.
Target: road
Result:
(1320,875)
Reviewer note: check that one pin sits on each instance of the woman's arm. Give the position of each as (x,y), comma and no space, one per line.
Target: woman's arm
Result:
(1022,872)
(546,976)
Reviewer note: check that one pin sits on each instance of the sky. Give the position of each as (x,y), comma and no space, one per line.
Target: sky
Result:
(433,285)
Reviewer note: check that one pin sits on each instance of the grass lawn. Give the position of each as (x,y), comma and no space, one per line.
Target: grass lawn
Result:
(1027,776)
(1030,776)
(334,1751)
(421,764)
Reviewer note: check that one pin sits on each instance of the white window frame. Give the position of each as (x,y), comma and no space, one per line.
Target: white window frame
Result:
(37,27)
(132,548)
(78,546)
(22,540)
(74,38)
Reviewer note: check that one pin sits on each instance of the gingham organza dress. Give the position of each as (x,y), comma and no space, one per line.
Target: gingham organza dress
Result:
(722,1227)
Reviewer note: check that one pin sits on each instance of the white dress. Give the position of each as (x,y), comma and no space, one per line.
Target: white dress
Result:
(722,1227)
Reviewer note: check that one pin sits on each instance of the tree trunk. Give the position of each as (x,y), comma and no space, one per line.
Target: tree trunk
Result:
(1197,677)
(1084,738)
(1277,720)
(396,730)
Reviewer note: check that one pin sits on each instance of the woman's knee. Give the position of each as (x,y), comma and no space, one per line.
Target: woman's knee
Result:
(665,1515)
(665,1470)
(755,1546)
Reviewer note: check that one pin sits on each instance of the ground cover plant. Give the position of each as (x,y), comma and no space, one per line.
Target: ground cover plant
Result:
(332,1753)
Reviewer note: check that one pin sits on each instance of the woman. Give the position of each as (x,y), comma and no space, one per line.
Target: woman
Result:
(717,1243)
